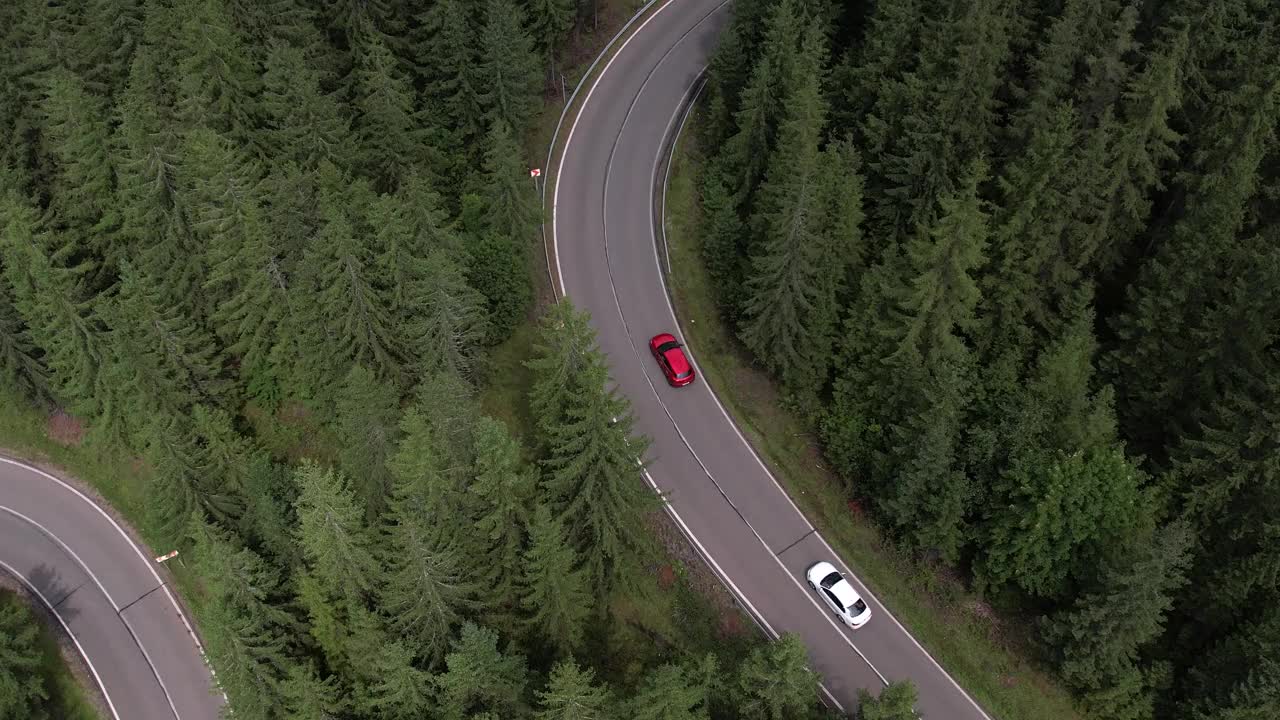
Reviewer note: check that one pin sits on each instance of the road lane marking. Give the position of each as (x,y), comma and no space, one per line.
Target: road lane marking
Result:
(191,633)
(67,629)
(84,566)
(670,306)
(636,351)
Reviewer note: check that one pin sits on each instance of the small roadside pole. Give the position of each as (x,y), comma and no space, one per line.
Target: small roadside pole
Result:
(535,173)
(170,556)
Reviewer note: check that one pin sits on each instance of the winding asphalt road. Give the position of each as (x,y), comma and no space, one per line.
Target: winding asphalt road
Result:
(722,495)
(107,595)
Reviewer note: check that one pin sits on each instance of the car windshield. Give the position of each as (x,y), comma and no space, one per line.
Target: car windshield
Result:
(668,345)
(859,607)
(831,579)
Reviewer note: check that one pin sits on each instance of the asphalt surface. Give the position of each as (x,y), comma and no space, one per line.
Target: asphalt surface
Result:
(606,258)
(107,595)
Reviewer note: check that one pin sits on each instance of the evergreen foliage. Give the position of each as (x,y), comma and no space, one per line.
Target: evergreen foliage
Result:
(1051,338)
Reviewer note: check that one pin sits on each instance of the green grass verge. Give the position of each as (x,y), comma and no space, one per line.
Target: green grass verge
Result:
(988,656)
(68,700)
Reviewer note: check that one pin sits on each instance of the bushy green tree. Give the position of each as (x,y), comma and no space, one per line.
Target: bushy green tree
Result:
(674,692)
(775,682)
(480,677)
(303,124)
(366,422)
(22,689)
(572,694)
(592,464)
(554,589)
(507,83)
(895,702)
(387,131)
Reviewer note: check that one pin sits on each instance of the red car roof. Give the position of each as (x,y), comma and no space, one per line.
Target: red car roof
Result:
(679,363)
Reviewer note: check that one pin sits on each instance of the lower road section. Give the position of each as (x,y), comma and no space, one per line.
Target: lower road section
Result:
(107,594)
(723,496)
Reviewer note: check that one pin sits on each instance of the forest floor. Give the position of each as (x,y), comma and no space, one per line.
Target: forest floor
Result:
(73,694)
(989,653)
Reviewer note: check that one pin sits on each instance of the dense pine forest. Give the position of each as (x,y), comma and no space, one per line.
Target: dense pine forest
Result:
(265,248)
(1019,265)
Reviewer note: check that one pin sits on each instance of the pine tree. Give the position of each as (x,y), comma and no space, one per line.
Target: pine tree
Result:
(452,325)
(21,369)
(452,79)
(163,357)
(481,677)
(22,690)
(512,205)
(507,83)
(761,106)
(245,630)
(673,692)
(307,697)
(550,21)
(105,40)
(1100,636)
(554,589)
(895,702)
(775,682)
(77,137)
(340,291)
(791,310)
(398,689)
(387,131)
(303,123)
(366,424)
(184,483)
(593,471)
(57,309)
(502,492)
(217,78)
(428,586)
(572,694)
(333,537)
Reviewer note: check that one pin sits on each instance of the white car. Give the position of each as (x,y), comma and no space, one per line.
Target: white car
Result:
(838,594)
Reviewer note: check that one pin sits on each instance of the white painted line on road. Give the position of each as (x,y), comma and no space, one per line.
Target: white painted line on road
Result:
(115,606)
(706,386)
(87,660)
(141,556)
(638,354)
(555,196)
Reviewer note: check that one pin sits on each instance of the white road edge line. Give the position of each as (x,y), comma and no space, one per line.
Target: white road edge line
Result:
(114,605)
(560,275)
(141,556)
(865,591)
(87,661)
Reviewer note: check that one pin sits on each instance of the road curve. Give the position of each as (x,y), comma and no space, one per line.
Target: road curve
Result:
(102,587)
(722,495)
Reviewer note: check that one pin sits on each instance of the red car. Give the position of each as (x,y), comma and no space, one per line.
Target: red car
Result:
(671,358)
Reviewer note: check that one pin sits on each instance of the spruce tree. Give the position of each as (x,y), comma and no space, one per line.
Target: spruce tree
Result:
(480,677)
(428,583)
(307,697)
(22,690)
(549,22)
(366,422)
(592,464)
(673,692)
(303,124)
(1100,636)
(775,682)
(554,590)
(572,694)
(512,204)
(448,46)
(387,131)
(507,83)
(334,540)
(246,632)
(218,82)
(502,492)
(346,311)
(184,483)
(398,689)
(21,369)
